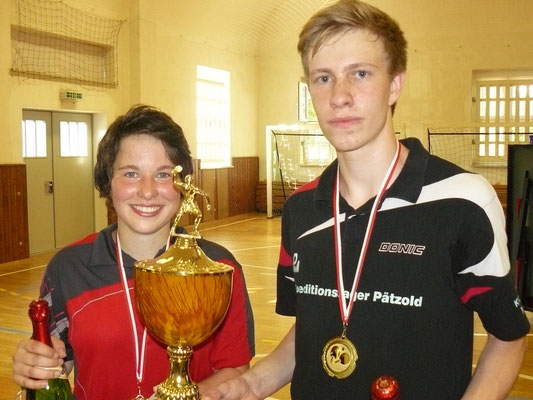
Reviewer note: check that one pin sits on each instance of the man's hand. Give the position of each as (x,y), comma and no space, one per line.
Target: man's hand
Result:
(234,389)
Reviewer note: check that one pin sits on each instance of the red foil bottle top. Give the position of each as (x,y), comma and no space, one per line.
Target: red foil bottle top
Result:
(39,313)
(39,310)
(385,388)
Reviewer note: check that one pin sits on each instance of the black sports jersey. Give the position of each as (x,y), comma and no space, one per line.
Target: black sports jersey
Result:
(437,253)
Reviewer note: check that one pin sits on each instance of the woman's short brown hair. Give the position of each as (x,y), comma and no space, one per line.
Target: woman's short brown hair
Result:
(346,15)
(146,120)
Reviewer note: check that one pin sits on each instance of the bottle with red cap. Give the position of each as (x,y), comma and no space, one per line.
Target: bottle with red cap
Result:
(58,388)
(385,388)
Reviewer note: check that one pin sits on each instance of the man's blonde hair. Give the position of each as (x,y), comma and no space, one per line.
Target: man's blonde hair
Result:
(346,15)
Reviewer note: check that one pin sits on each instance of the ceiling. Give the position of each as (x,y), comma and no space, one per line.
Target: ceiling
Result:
(253,26)
(247,26)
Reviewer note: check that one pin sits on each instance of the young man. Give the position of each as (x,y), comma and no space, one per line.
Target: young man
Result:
(390,292)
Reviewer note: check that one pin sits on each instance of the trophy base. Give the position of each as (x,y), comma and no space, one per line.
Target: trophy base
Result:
(178,386)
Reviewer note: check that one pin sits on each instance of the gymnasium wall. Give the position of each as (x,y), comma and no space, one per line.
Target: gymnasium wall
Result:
(167,74)
(19,93)
(446,42)
(156,65)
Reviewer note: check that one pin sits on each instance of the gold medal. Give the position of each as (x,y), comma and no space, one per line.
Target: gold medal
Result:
(339,357)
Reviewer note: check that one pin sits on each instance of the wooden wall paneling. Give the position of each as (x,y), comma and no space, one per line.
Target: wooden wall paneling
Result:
(280,193)
(14,237)
(197,172)
(209,185)
(186,219)
(242,184)
(222,177)
(196,181)
(232,190)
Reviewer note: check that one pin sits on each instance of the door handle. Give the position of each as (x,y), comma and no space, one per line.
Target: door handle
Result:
(49,187)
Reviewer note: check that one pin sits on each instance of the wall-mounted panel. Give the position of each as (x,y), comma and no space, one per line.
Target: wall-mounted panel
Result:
(14,239)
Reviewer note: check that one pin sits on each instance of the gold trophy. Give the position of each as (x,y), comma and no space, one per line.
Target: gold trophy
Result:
(182,296)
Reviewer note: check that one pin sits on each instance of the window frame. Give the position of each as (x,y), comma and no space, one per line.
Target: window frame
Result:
(496,109)
(213,118)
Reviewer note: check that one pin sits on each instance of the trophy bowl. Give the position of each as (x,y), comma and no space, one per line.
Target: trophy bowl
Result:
(182,297)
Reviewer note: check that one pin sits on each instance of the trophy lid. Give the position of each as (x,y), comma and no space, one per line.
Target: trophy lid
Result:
(184,257)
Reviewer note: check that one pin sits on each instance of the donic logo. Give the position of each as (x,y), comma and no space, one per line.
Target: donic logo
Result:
(402,248)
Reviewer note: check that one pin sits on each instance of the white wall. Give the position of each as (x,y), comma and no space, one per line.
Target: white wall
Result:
(167,75)
(157,66)
(447,41)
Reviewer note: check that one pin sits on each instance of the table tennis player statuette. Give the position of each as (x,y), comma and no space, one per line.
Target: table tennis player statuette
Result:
(188,201)
(182,297)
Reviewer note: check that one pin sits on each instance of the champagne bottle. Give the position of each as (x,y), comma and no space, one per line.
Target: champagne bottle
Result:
(385,388)
(58,388)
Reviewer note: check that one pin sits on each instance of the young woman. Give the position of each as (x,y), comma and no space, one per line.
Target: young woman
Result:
(97,328)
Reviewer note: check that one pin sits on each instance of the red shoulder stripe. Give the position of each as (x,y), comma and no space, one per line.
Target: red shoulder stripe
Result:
(87,239)
(475,291)
(285,260)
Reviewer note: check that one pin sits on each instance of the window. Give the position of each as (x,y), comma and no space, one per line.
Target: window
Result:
(504,111)
(213,114)
(73,139)
(33,138)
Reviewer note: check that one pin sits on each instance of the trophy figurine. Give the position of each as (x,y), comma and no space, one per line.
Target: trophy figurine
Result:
(182,296)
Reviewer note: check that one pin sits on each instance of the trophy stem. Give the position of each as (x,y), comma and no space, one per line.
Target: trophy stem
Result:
(178,385)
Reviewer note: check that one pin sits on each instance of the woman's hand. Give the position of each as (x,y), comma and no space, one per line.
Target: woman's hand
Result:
(35,362)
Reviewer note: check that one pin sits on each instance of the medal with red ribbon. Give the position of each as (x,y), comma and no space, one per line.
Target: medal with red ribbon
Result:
(139,353)
(339,356)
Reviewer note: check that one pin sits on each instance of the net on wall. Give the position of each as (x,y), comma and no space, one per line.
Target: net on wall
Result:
(54,41)
(295,155)
(478,149)
(299,156)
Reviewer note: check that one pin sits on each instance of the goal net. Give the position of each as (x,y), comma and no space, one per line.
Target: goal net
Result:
(295,155)
(479,149)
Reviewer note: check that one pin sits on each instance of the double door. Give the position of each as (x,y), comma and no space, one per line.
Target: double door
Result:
(58,156)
